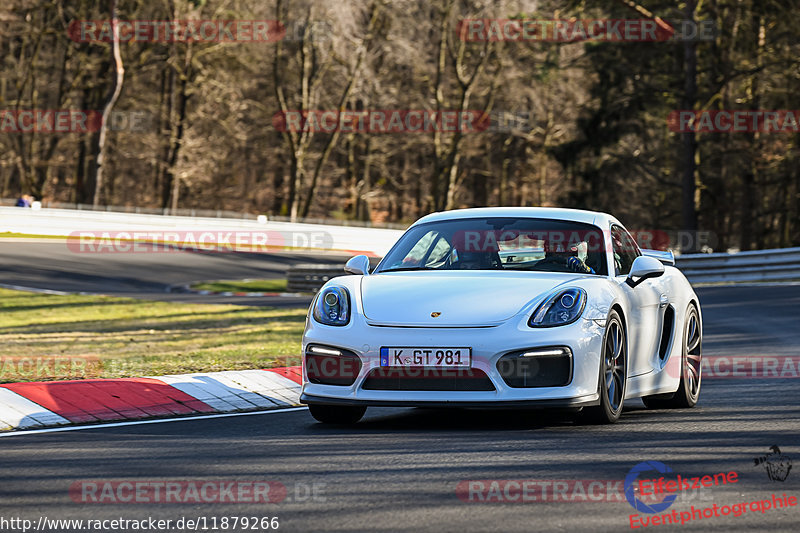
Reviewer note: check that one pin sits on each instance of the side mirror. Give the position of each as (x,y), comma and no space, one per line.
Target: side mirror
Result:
(644,268)
(357,265)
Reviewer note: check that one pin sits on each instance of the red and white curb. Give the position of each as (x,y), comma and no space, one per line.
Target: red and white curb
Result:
(34,405)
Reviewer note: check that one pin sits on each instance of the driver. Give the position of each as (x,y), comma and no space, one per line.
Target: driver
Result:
(576,264)
(569,258)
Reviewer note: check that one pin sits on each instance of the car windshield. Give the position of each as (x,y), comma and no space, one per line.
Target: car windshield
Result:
(499,244)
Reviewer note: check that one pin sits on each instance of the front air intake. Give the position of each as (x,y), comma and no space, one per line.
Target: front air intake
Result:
(428,379)
(537,367)
(328,365)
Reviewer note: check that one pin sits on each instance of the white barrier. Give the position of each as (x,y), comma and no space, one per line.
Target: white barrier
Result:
(762,265)
(316,237)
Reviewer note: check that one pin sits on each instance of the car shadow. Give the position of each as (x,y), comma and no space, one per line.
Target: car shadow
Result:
(460,419)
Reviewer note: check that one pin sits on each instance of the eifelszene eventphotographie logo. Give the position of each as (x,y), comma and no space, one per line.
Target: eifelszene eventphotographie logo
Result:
(632,483)
(775,463)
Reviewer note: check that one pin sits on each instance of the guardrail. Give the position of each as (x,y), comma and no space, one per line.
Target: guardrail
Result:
(762,265)
(205,213)
(309,278)
(349,240)
(777,265)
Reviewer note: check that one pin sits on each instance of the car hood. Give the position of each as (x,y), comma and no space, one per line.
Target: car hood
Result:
(464,299)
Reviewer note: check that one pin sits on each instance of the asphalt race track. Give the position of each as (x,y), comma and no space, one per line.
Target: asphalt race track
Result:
(51,265)
(399,469)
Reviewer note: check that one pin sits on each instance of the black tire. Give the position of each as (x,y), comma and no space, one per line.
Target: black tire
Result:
(337,414)
(613,373)
(691,369)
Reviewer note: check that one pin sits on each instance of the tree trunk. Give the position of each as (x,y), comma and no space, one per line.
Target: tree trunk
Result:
(795,228)
(177,141)
(366,184)
(116,89)
(80,173)
(750,206)
(689,179)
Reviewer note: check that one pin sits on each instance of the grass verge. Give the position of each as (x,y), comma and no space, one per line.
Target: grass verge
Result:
(247,285)
(45,337)
(10,235)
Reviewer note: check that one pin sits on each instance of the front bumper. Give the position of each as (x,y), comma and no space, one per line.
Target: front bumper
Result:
(584,338)
(565,403)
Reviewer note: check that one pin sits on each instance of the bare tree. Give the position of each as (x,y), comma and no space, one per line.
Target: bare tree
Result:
(116,89)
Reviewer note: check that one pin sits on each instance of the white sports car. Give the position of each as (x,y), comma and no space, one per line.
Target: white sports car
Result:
(505,307)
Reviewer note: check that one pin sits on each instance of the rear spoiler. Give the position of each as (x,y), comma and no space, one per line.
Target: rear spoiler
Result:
(665,257)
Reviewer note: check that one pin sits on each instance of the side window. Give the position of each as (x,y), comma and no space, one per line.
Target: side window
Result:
(418,252)
(439,253)
(624,249)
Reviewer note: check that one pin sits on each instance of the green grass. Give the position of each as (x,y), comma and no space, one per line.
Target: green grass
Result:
(45,337)
(10,235)
(247,285)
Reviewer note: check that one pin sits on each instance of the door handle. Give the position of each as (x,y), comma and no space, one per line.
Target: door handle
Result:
(664,300)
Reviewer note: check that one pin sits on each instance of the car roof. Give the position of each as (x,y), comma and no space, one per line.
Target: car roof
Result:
(555,213)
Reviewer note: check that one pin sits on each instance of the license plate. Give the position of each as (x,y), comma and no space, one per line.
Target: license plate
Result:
(416,356)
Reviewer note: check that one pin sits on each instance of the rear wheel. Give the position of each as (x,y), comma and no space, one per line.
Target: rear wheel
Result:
(689,387)
(337,414)
(613,372)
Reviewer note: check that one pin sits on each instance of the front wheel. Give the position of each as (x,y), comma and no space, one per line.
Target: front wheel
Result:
(613,372)
(336,414)
(689,387)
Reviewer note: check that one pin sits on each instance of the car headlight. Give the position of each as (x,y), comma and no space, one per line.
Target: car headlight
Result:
(562,308)
(332,307)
